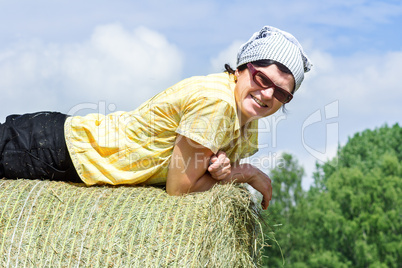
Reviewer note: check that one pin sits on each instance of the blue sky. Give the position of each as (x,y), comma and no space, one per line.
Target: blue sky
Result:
(100,56)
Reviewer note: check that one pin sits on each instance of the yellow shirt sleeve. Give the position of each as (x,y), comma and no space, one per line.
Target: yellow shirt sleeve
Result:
(209,122)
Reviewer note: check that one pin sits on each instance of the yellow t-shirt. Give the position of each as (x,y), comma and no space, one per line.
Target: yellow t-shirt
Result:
(136,147)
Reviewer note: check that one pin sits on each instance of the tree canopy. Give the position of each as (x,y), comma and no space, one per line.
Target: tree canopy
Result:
(351,216)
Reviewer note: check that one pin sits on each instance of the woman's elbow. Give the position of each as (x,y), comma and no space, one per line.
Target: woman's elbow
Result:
(178,188)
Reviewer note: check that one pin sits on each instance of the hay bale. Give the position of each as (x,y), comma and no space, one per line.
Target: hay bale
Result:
(45,223)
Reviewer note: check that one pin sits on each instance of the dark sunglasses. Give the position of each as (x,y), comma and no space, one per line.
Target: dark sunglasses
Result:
(263,81)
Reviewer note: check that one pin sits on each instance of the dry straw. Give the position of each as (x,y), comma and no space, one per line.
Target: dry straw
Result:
(57,224)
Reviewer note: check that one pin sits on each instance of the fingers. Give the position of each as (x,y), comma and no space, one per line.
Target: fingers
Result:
(219,161)
(262,183)
(221,175)
(221,153)
(221,158)
(219,167)
(218,172)
(268,195)
(213,159)
(264,204)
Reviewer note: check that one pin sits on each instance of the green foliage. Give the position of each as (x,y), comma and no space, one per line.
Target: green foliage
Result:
(351,216)
(363,150)
(287,192)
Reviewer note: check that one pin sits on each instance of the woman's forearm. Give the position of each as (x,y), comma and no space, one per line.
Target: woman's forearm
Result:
(204,183)
(239,174)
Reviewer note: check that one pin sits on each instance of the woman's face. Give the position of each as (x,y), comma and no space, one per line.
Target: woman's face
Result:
(254,102)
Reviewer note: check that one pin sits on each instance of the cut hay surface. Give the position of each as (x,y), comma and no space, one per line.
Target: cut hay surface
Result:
(57,224)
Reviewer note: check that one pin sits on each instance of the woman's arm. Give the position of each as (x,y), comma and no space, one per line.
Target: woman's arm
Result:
(188,172)
(188,168)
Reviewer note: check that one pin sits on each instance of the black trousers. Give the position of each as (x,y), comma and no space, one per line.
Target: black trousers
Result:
(32,146)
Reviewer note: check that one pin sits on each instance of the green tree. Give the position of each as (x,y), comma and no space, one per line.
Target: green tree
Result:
(352,215)
(287,193)
(355,206)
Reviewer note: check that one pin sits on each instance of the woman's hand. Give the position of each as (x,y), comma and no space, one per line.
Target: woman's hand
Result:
(219,167)
(262,183)
(255,178)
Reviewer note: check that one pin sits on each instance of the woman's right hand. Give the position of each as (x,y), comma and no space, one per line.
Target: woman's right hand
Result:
(219,167)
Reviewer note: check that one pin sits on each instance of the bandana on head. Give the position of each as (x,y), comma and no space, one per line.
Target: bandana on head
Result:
(271,43)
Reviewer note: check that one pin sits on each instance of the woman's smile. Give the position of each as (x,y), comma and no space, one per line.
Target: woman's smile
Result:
(259,102)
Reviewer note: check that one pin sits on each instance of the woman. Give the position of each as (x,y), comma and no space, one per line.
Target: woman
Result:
(188,137)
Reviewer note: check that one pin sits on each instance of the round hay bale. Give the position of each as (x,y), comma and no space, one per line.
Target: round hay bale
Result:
(49,224)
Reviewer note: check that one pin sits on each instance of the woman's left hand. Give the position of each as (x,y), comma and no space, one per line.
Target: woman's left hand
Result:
(259,181)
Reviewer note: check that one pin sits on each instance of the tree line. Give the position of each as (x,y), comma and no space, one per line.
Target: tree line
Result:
(352,214)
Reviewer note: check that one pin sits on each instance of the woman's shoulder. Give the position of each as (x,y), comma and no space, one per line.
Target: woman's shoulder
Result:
(219,86)
(215,79)
(210,80)
(214,86)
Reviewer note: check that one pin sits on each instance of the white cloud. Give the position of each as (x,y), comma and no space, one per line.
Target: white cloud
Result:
(362,82)
(115,65)
(226,56)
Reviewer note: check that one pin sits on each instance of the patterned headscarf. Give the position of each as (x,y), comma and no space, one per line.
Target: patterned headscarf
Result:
(271,43)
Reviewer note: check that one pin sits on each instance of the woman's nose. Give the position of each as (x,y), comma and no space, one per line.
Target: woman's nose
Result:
(268,93)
